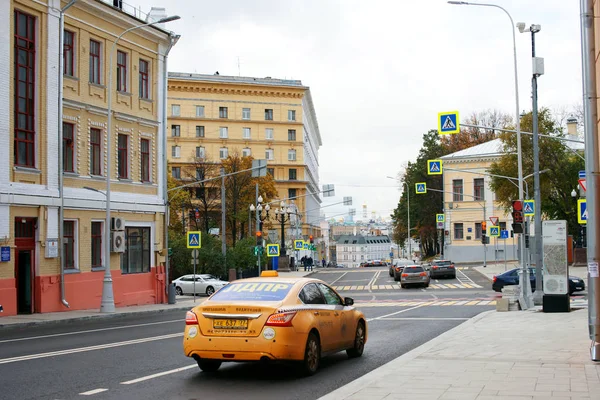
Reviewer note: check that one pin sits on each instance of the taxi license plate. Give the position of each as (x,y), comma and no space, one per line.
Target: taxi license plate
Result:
(230,324)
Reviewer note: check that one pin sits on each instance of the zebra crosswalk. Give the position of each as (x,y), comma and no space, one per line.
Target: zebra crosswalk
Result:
(431,303)
(435,286)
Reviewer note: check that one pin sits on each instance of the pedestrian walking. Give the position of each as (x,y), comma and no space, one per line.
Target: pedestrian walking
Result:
(323,262)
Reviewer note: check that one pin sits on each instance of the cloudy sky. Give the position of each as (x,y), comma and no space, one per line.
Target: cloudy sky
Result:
(381,70)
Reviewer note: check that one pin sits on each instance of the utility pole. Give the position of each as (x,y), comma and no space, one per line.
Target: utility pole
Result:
(223,231)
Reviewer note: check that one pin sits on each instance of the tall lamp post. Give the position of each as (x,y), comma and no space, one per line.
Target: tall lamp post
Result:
(527,301)
(282,215)
(107,305)
(260,217)
(408,217)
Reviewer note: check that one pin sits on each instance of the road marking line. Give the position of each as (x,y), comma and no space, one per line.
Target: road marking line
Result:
(388,287)
(426,319)
(352,287)
(172,371)
(449,303)
(484,303)
(477,286)
(443,286)
(394,313)
(89,331)
(373,280)
(469,279)
(434,286)
(467,285)
(472,303)
(361,287)
(438,303)
(340,277)
(91,392)
(88,348)
(461,303)
(451,285)
(374,287)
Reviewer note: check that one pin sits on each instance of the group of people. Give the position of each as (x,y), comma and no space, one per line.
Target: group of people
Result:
(308,263)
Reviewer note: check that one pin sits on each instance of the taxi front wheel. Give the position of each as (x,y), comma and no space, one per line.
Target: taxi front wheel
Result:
(209,365)
(312,355)
(359,342)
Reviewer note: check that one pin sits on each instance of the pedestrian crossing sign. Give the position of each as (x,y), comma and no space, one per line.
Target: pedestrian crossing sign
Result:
(440,218)
(529,208)
(582,213)
(448,122)
(421,188)
(434,167)
(272,250)
(494,231)
(298,244)
(193,240)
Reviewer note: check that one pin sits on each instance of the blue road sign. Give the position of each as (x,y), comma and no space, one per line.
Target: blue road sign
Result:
(529,208)
(494,231)
(421,188)
(298,244)
(440,218)
(193,240)
(448,122)
(273,250)
(582,214)
(581,174)
(5,253)
(504,234)
(434,167)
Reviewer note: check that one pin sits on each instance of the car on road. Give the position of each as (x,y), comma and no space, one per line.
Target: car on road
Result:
(396,270)
(272,318)
(414,275)
(442,269)
(204,284)
(376,263)
(511,277)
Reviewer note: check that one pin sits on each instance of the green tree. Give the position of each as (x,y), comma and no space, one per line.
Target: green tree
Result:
(210,258)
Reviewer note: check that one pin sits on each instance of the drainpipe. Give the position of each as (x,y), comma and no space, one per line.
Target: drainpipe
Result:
(173,39)
(61,216)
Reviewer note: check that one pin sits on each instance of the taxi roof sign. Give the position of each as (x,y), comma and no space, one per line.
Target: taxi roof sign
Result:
(434,167)
(193,240)
(448,122)
(269,274)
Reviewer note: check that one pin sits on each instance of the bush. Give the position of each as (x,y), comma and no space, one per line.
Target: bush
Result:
(210,259)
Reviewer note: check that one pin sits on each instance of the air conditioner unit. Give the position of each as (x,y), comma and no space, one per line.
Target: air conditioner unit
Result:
(117,242)
(555,285)
(117,224)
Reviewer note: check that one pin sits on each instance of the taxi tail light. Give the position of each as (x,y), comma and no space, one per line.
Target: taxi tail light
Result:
(404,275)
(191,318)
(281,319)
(423,274)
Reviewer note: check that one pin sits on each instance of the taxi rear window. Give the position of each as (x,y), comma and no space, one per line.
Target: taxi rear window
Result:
(253,291)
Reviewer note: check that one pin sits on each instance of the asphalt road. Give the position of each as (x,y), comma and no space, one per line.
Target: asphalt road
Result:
(140,357)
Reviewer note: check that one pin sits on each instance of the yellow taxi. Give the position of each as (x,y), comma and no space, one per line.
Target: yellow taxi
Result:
(273,318)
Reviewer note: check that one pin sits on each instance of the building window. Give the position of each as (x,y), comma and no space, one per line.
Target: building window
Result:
(68,147)
(223,153)
(245,113)
(291,115)
(268,114)
(291,155)
(175,151)
(271,171)
(144,84)
(122,146)
(176,172)
(200,111)
(175,110)
(477,230)
(292,174)
(95,62)
(291,135)
(199,131)
(69,243)
(222,112)
(95,152)
(223,132)
(246,152)
(68,53)
(269,133)
(24,90)
(199,174)
(145,160)
(199,152)
(502,226)
(270,154)
(246,133)
(458,231)
(292,193)
(478,189)
(96,244)
(136,258)
(121,71)
(176,130)
(457,190)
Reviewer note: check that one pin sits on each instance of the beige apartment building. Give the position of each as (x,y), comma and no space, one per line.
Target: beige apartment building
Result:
(214,116)
(32,278)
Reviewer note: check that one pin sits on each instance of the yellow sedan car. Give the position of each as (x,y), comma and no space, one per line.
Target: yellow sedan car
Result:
(272,318)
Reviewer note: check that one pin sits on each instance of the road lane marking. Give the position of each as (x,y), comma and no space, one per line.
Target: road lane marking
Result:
(147,377)
(451,285)
(91,392)
(426,319)
(461,303)
(353,288)
(472,303)
(340,277)
(346,288)
(469,279)
(373,280)
(395,313)
(450,303)
(90,331)
(88,348)
(361,287)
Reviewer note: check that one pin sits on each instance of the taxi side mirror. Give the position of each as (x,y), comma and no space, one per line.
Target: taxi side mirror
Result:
(348,301)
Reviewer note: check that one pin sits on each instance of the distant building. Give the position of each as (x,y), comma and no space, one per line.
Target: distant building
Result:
(352,250)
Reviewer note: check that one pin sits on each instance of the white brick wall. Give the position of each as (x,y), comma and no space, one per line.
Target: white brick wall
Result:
(52,97)
(52,223)
(4,220)
(5,67)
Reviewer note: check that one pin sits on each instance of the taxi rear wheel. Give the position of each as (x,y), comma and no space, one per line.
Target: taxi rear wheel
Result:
(359,341)
(312,355)
(209,365)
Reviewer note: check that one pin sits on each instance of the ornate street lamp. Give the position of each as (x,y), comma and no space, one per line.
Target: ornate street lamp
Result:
(282,215)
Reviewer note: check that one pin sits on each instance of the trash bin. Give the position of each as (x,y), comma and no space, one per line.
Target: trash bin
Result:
(171,293)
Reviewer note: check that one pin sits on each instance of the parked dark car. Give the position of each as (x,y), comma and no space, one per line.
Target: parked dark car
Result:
(511,277)
(396,270)
(442,268)
(414,275)
(373,264)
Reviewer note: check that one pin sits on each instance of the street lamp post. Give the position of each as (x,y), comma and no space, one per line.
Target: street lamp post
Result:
(260,217)
(282,215)
(526,299)
(107,305)
(407,217)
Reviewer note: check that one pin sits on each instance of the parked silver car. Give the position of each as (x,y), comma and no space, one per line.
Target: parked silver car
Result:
(414,275)
(205,284)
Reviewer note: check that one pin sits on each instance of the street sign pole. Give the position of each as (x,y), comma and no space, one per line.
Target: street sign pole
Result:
(504,255)
(194,253)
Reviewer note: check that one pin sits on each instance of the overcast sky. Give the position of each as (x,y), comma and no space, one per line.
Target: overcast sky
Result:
(380,71)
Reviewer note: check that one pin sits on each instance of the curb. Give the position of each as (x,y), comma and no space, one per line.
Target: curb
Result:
(482,273)
(66,321)
(377,374)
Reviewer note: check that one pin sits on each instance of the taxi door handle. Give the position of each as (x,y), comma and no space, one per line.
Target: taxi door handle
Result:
(316,313)
(335,314)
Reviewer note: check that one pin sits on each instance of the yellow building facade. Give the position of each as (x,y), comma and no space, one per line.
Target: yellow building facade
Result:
(214,116)
(32,132)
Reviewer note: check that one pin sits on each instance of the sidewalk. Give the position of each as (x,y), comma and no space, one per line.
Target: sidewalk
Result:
(526,355)
(183,303)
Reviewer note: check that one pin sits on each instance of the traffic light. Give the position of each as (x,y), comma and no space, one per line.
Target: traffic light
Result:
(258,238)
(311,239)
(517,214)
(484,232)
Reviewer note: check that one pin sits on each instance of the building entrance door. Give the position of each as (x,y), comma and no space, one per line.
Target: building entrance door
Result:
(25,263)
